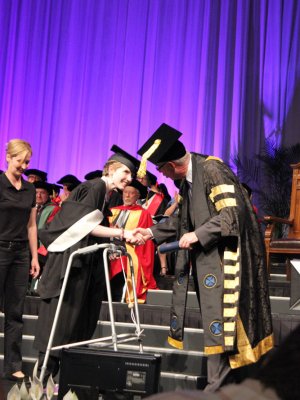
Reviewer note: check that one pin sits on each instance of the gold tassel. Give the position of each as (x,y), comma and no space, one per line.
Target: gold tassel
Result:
(143,165)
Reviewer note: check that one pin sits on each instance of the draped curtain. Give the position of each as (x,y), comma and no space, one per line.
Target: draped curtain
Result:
(77,76)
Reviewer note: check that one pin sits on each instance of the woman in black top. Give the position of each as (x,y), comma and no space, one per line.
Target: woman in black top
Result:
(82,221)
(18,235)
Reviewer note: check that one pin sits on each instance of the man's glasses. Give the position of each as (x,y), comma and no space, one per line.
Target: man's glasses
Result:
(160,167)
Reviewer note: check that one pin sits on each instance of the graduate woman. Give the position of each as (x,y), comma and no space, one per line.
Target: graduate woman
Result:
(18,238)
(81,222)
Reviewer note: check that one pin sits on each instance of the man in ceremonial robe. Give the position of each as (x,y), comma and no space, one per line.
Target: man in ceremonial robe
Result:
(220,237)
(129,216)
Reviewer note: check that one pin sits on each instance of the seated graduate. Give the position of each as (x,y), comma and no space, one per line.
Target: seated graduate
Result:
(82,221)
(129,216)
(46,210)
(156,200)
(35,175)
(69,183)
(156,203)
(97,173)
(55,198)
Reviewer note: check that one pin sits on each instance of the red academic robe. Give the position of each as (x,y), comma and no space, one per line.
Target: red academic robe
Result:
(142,256)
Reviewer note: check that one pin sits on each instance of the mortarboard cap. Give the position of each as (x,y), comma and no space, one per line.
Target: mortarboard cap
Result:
(56,188)
(93,174)
(141,188)
(125,158)
(43,185)
(70,181)
(40,174)
(166,146)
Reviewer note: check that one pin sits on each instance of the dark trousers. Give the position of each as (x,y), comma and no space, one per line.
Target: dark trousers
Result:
(14,271)
(79,313)
(219,372)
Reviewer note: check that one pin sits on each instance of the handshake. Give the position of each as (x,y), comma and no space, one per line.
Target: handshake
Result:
(139,236)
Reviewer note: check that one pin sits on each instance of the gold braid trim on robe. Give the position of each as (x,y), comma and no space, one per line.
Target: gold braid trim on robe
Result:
(231,336)
(213,158)
(175,343)
(247,354)
(209,350)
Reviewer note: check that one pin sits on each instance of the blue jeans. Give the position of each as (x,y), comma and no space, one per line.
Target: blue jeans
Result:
(14,272)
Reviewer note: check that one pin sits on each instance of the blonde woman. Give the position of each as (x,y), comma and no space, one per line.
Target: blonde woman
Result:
(18,238)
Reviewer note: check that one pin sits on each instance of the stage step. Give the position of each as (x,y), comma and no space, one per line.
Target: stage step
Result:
(279,304)
(154,335)
(181,369)
(278,283)
(185,369)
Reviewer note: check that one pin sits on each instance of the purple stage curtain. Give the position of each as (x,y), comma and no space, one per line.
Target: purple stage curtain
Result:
(77,76)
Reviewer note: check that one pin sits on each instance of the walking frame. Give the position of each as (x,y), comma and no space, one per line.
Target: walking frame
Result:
(114,339)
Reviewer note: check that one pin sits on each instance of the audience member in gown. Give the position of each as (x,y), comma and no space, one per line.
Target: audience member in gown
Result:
(93,175)
(18,239)
(35,175)
(129,216)
(69,183)
(168,260)
(55,198)
(46,210)
(82,221)
(156,203)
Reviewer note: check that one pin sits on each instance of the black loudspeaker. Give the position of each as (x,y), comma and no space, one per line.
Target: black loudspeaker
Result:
(97,373)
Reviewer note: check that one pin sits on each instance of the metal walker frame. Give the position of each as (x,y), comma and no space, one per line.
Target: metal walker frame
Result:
(114,339)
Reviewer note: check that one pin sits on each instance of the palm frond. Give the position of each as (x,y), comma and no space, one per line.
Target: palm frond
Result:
(269,174)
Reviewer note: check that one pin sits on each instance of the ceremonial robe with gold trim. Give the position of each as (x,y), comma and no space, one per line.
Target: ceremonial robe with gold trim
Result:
(228,265)
(142,256)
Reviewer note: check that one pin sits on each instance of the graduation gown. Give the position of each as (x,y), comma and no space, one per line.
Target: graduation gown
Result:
(228,264)
(142,256)
(155,203)
(69,231)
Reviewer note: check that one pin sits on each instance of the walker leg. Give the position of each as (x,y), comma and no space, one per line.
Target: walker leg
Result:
(109,299)
(136,308)
(56,316)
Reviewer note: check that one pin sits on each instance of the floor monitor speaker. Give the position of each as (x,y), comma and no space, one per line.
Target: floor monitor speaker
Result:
(106,374)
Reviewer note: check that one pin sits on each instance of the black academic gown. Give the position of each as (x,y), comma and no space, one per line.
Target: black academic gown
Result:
(86,283)
(228,265)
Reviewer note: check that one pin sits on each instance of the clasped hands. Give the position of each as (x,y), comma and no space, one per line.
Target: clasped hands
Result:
(139,236)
